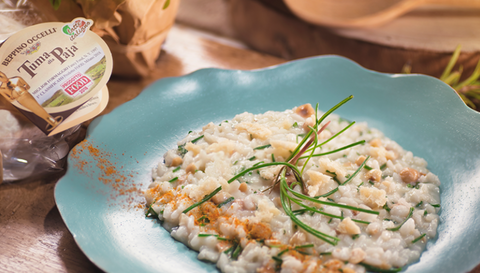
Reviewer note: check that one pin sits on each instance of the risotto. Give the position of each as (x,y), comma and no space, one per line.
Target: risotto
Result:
(282,192)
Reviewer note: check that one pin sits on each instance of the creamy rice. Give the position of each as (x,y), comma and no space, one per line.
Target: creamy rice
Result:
(244,228)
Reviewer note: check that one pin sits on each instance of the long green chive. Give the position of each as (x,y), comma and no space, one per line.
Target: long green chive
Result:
(346,181)
(319,121)
(337,150)
(205,199)
(252,158)
(315,141)
(277,259)
(325,253)
(258,163)
(418,238)
(273,158)
(282,252)
(236,252)
(335,135)
(176,169)
(150,211)
(304,246)
(214,235)
(399,226)
(173,179)
(206,235)
(283,199)
(308,208)
(197,139)
(333,204)
(230,199)
(242,173)
(262,147)
(228,250)
(366,167)
(371,268)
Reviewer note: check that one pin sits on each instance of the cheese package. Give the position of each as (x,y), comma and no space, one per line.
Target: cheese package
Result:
(52,76)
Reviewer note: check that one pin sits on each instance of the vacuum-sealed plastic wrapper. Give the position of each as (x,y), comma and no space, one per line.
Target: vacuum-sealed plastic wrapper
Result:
(26,151)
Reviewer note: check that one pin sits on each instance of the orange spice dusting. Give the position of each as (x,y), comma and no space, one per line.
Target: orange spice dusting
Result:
(111,172)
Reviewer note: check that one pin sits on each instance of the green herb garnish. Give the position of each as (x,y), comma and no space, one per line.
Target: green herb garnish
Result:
(181,150)
(173,179)
(304,246)
(176,169)
(151,212)
(230,199)
(205,199)
(262,147)
(418,238)
(215,235)
(399,226)
(197,139)
(371,268)
(236,252)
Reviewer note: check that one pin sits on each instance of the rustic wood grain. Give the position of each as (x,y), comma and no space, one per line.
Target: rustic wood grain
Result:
(268,26)
(33,237)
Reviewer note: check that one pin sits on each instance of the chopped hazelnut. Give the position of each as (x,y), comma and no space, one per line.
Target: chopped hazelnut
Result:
(374,175)
(305,110)
(409,175)
(191,168)
(360,160)
(177,161)
(243,187)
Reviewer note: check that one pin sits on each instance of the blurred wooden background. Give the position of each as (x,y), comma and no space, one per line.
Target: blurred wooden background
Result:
(424,39)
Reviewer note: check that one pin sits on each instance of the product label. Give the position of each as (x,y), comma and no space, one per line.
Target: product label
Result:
(48,71)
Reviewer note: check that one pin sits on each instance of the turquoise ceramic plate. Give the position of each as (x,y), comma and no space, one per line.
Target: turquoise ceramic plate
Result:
(421,113)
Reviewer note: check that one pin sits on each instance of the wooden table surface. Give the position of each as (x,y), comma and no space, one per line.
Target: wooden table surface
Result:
(33,237)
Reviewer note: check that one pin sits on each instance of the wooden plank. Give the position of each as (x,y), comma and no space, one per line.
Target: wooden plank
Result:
(266,26)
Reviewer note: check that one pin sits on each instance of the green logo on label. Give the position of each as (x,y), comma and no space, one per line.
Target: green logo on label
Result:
(77,28)
(67,30)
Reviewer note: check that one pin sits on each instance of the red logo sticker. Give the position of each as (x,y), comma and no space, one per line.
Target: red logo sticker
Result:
(77,85)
